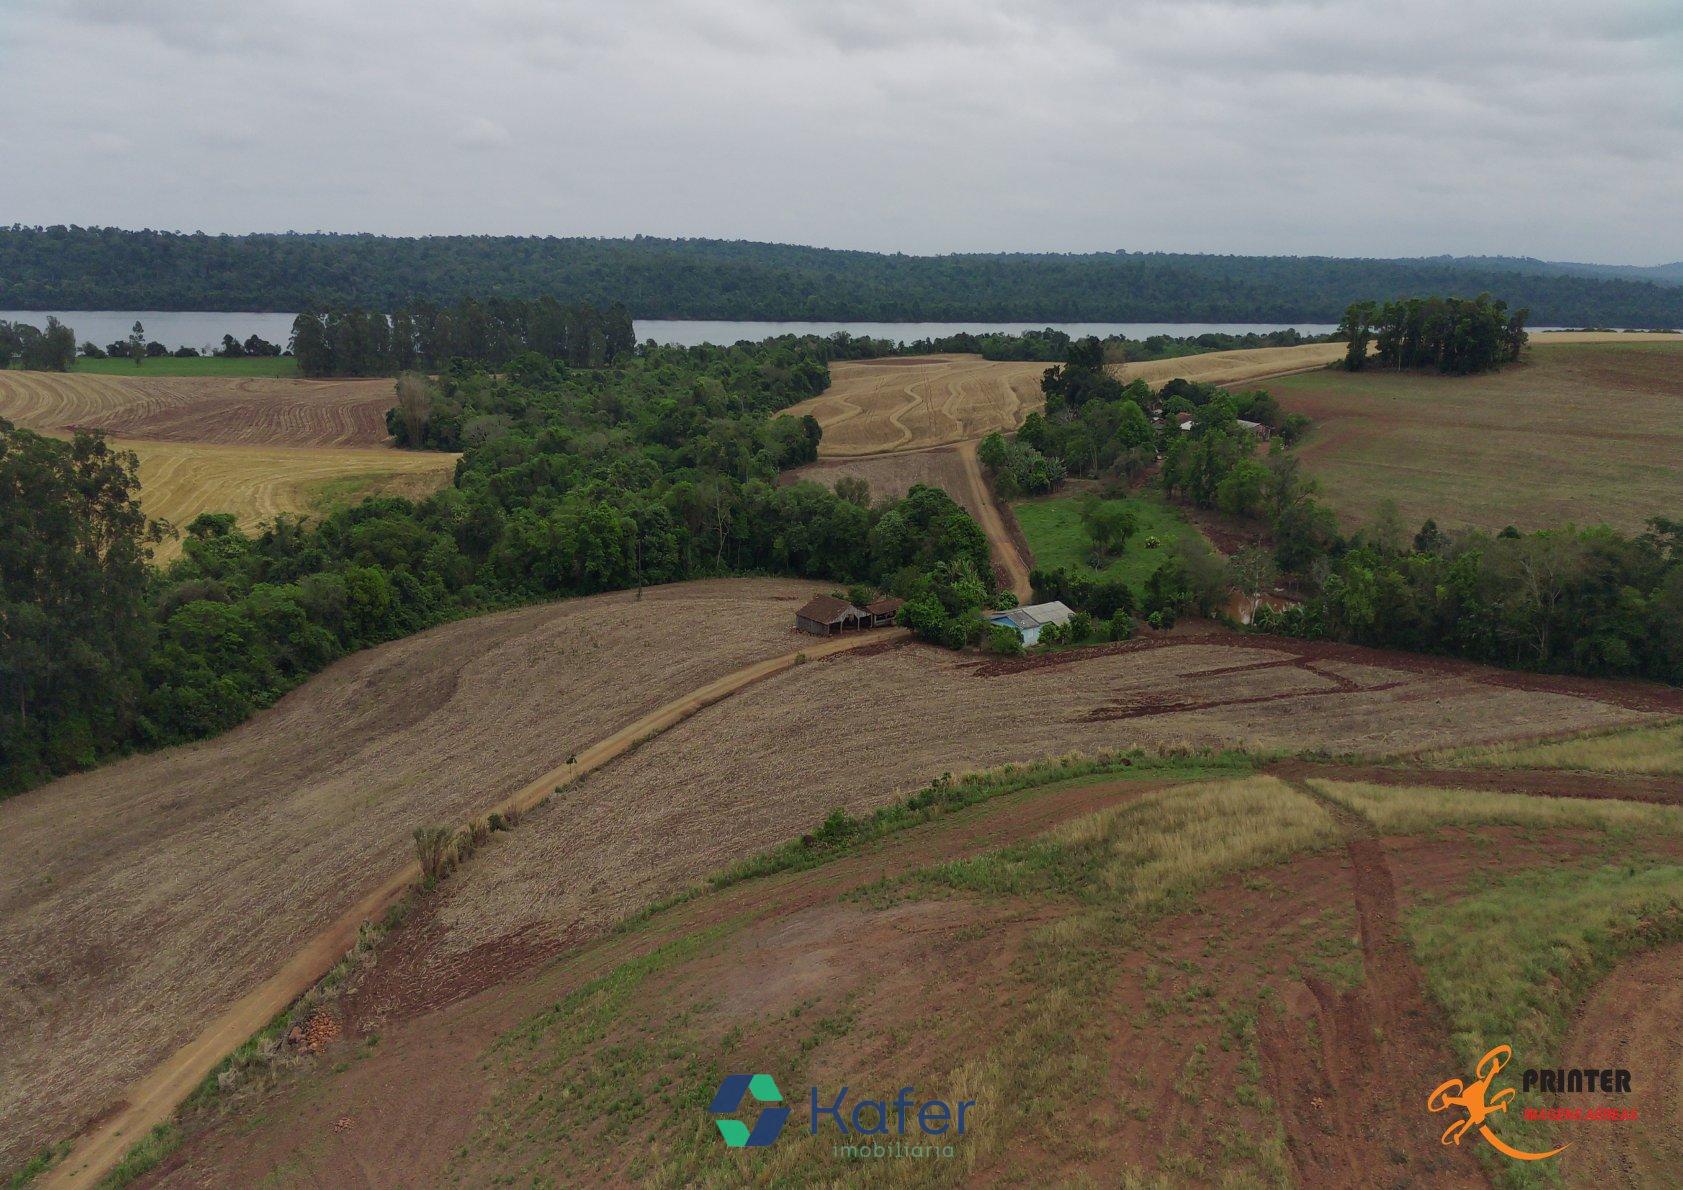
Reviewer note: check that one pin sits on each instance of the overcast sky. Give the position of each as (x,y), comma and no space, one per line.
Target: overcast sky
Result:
(1549,128)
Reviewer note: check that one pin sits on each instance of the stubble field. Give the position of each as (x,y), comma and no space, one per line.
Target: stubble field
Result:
(139,899)
(1580,432)
(913,402)
(254,447)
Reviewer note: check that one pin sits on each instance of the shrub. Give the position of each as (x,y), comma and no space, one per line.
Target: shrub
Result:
(1122,626)
(433,845)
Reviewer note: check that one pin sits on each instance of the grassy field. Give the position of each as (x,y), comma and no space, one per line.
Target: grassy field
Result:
(1585,433)
(1054,531)
(1642,750)
(204,365)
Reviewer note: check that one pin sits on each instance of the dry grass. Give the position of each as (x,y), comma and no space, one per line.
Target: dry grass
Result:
(914,402)
(1401,810)
(1584,433)
(858,732)
(1232,367)
(1164,845)
(138,900)
(256,483)
(1641,750)
(226,409)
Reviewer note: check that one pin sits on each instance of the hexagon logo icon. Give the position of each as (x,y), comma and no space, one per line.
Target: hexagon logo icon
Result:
(728,1099)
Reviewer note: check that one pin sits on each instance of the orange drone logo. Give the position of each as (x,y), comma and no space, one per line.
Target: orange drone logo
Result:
(1480,1105)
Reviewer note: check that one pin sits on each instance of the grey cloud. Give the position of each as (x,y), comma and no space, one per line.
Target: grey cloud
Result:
(1345,126)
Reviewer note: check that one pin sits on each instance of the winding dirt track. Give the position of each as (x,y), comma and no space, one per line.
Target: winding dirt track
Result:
(154,1098)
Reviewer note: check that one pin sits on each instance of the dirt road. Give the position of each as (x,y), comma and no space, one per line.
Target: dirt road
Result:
(1005,549)
(154,1098)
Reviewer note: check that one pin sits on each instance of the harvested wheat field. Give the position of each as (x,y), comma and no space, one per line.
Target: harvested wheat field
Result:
(1232,367)
(257,483)
(139,899)
(226,409)
(758,769)
(913,402)
(1192,963)
(1585,433)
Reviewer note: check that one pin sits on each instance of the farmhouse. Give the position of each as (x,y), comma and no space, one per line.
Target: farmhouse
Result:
(825,615)
(1028,621)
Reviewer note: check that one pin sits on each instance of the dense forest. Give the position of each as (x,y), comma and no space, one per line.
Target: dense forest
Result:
(660,467)
(107,268)
(357,342)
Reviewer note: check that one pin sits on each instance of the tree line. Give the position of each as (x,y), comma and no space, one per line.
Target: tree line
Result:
(52,349)
(359,342)
(1449,334)
(107,268)
(663,466)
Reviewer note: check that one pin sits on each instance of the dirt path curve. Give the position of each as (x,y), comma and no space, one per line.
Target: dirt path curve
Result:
(154,1098)
(1344,1126)
(1004,547)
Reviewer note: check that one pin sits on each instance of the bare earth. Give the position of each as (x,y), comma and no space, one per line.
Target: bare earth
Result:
(137,900)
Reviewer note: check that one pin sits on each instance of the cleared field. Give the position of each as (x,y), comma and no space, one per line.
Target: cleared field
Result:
(1586,433)
(138,900)
(1201,969)
(914,402)
(203,409)
(178,481)
(757,769)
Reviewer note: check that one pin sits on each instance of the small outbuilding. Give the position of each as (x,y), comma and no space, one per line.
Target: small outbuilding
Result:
(883,610)
(825,615)
(1028,621)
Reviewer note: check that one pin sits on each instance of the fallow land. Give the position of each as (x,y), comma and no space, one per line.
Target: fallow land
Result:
(106,889)
(1583,432)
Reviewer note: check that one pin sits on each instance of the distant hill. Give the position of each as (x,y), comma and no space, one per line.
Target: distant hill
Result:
(1659,274)
(107,268)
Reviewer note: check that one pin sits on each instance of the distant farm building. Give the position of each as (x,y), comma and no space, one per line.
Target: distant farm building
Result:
(883,611)
(1028,621)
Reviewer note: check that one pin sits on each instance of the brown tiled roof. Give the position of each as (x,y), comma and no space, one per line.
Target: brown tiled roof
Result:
(887,605)
(826,609)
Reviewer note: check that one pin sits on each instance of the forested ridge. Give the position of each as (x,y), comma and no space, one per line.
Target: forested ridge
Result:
(110,268)
(661,467)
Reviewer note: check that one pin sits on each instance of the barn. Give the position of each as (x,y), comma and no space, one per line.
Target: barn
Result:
(1028,621)
(884,610)
(825,615)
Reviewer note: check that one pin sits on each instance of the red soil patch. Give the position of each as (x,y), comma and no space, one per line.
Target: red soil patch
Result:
(1631,695)
(1351,1104)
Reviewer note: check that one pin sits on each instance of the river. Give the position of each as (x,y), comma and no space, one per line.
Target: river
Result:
(204,328)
